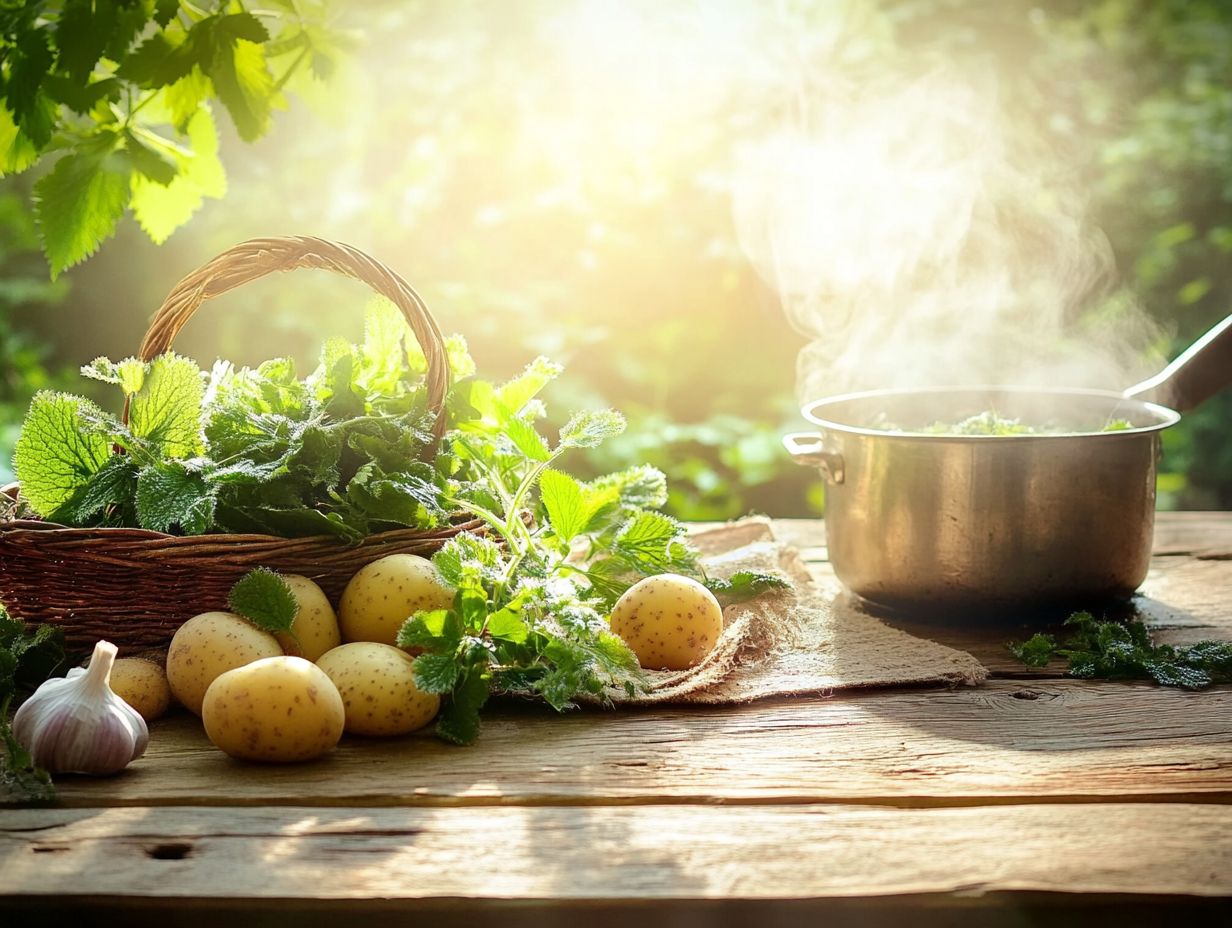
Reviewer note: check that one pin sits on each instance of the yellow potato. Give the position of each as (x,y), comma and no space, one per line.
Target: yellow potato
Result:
(315,627)
(671,622)
(387,592)
(280,709)
(211,644)
(143,685)
(378,689)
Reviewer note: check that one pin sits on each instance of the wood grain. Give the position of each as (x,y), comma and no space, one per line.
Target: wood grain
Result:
(1006,741)
(645,853)
(1187,596)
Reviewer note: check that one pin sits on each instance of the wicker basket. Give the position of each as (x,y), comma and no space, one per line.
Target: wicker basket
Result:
(135,587)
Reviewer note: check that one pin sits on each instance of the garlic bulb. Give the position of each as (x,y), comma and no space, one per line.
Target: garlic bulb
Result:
(76,724)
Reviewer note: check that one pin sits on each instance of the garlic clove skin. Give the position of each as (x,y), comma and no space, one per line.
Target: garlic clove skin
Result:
(77,724)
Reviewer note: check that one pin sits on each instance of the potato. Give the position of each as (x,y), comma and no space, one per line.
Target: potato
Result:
(143,685)
(671,622)
(315,627)
(280,709)
(387,592)
(378,689)
(211,644)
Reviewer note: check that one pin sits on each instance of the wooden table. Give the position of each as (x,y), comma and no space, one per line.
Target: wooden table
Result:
(1030,799)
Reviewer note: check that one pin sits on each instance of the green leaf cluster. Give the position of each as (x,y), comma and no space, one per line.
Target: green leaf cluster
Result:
(348,451)
(345,451)
(1123,651)
(27,657)
(120,92)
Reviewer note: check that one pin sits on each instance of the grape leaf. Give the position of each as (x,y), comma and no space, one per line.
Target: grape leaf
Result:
(57,453)
(266,600)
(79,204)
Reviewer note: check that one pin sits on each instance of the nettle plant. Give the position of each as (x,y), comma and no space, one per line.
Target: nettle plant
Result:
(119,93)
(348,451)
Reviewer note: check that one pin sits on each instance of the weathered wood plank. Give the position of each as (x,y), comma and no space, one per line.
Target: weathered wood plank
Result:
(1187,597)
(641,853)
(1006,741)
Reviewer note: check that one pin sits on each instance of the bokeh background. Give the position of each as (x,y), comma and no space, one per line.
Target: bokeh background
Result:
(557,177)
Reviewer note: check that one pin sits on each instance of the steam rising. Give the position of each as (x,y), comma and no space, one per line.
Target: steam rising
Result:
(918,237)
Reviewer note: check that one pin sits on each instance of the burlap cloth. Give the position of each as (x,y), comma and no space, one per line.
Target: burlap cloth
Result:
(806,640)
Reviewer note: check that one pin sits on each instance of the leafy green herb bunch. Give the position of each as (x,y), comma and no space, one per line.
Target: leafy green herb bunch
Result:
(349,451)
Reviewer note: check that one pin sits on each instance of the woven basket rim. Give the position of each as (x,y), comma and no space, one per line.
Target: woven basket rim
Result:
(53,529)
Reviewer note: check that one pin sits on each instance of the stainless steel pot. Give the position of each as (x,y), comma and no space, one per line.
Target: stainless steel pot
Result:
(953,521)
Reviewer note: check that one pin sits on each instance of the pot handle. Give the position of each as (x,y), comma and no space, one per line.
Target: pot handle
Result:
(1201,371)
(808,449)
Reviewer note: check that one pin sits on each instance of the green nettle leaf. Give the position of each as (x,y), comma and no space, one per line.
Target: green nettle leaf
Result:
(17,151)
(436,629)
(154,162)
(652,542)
(79,204)
(435,673)
(515,394)
(167,409)
(165,11)
(640,487)
(265,599)
(128,374)
(745,584)
(460,360)
(186,97)
(467,550)
(459,720)
(1115,651)
(114,485)
(161,209)
(572,506)
(160,60)
(507,625)
(82,34)
(242,80)
(30,58)
(57,452)
(589,429)
(81,98)
(527,440)
(168,494)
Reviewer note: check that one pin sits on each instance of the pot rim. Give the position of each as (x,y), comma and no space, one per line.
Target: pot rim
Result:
(1166,417)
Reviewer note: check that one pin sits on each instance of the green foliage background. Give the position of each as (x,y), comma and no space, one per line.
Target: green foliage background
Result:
(445,147)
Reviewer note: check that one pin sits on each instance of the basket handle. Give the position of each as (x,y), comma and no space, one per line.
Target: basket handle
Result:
(258,257)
